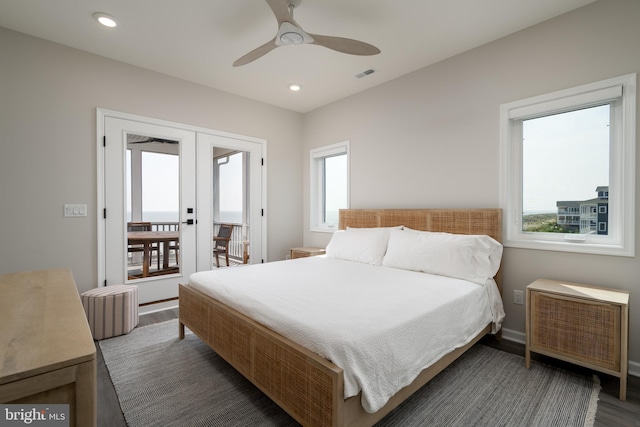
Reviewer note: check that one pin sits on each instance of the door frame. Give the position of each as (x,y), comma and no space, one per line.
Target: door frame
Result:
(101,114)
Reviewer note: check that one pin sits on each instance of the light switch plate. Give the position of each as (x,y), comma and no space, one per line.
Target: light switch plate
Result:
(74,210)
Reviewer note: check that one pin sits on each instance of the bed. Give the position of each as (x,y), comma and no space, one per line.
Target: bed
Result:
(310,387)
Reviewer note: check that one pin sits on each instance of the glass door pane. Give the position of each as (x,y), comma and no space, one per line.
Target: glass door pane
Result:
(153,207)
(230,206)
(231,183)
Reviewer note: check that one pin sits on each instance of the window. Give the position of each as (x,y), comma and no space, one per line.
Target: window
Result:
(571,152)
(329,185)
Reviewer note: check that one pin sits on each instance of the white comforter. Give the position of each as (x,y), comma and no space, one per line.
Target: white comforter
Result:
(381,325)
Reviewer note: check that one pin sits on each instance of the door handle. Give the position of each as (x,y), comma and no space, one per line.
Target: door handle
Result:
(188,222)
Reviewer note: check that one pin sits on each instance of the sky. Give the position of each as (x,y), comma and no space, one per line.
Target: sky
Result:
(336,190)
(565,157)
(161,183)
(231,180)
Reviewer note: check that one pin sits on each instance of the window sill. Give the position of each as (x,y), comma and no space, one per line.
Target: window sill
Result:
(575,247)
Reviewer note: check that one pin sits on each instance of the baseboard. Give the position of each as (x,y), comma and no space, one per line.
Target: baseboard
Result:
(160,306)
(515,336)
(520,338)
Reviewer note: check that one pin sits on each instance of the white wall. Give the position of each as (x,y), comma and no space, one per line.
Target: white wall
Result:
(48,99)
(431,138)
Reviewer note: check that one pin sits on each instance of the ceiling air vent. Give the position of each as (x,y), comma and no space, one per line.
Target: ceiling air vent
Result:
(365,73)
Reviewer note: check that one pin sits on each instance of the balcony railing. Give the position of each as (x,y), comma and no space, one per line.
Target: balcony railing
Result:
(236,247)
(569,220)
(164,226)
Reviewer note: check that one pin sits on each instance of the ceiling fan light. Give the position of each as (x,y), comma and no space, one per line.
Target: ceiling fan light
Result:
(291,38)
(295,87)
(106,20)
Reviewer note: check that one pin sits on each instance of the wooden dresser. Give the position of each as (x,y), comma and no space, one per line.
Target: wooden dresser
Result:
(47,353)
(582,324)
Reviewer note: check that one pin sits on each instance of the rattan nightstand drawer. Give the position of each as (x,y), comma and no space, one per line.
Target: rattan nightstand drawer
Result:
(580,329)
(305,252)
(581,324)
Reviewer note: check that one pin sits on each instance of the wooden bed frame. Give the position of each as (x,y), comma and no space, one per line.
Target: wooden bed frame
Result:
(307,386)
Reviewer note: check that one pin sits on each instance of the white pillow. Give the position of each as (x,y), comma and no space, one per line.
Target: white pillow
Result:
(366,245)
(470,257)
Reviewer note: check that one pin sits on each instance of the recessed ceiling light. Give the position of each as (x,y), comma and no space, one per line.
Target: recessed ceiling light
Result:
(106,20)
(295,87)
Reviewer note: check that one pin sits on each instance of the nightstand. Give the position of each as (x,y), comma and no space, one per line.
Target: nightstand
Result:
(582,324)
(305,252)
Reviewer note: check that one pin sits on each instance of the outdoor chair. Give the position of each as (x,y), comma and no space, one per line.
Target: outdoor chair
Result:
(221,242)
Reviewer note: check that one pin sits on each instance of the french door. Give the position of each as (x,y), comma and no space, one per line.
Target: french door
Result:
(140,187)
(163,173)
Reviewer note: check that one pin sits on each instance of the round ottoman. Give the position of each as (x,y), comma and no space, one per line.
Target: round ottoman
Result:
(111,310)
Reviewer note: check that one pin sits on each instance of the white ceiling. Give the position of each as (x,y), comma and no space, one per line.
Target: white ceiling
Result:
(198,40)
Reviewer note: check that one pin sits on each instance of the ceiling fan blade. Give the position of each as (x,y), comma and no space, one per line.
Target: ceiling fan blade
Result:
(340,44)
(256,53)
(280,9)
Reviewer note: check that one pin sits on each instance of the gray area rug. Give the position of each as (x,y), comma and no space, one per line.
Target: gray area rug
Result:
(163,381)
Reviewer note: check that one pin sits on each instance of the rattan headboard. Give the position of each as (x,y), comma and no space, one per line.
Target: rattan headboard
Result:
(458,221)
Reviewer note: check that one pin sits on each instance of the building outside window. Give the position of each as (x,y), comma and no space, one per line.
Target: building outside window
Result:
(589,211)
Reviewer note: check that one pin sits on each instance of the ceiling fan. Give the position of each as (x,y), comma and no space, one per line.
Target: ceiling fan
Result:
(290,33)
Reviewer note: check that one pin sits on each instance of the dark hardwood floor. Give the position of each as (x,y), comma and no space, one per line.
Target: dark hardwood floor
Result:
(611,411)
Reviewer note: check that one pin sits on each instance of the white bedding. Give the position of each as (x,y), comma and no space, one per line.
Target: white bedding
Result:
(381,325)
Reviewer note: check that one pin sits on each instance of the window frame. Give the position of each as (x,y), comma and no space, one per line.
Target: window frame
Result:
(620,93)
(316,194)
